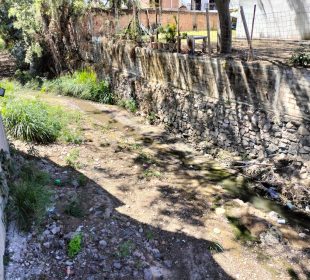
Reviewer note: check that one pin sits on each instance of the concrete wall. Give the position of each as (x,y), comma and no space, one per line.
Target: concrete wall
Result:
(3,194)
(255,108)
(277,19)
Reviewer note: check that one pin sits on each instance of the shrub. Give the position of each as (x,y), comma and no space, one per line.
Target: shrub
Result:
(2,44)
(75,245)
(31,121)
(29,197)
(82,84)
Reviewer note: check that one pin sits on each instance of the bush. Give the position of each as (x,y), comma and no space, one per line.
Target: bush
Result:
(30,197)
(82,84)
(75,245)
(2,44)
(31,121)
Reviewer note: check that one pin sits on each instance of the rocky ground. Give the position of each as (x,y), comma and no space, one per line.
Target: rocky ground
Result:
(152,208)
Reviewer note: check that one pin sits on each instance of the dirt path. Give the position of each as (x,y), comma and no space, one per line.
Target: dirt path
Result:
(154,209)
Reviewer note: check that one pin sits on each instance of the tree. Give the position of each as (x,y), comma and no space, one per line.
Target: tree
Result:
(225,25)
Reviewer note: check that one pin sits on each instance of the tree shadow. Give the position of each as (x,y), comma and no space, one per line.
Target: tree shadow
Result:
(176,254)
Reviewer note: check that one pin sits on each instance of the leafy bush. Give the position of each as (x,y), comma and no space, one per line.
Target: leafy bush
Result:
(75,245)
(29,197)
(82,84)
(31,121)
(301,58)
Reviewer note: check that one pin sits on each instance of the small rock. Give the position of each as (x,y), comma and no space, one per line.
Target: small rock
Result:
(55,230)
(302,235)
(216,231)
(47,245)
(153,273)
(103,243)
(220,211)
(273,215)
(117,265)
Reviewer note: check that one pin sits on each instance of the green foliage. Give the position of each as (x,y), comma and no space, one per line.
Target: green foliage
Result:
(149,173)
(240,230)
(125,249)
(170,32)
(301,58)
(72,158)
(82,84)
(29,197)
(2,44)
(31,121)
(82,180)
(71,136)
(74,208)
(128,104)
(75,245)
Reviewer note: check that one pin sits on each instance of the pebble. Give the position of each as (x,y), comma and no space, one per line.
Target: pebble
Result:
(103,243)
(117,265)
(216,231)
(302,235)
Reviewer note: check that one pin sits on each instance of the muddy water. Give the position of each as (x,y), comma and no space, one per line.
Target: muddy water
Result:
(111,115)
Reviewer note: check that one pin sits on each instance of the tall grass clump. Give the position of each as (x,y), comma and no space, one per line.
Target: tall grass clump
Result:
(31,121)
(29,197)
(81,84)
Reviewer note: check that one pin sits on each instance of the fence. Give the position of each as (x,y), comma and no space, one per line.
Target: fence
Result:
(273,33)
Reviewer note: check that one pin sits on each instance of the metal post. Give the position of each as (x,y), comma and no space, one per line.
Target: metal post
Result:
(208,29)
(178,32)
(247,33)
(253,22)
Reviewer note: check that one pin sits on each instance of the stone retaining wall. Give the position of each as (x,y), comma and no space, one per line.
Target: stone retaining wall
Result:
(257,108)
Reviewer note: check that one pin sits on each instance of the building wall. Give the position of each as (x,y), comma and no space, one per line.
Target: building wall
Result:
(277,19)
(254,108)
(189,20)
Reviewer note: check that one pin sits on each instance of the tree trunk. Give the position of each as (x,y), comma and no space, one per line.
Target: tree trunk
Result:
(225,25)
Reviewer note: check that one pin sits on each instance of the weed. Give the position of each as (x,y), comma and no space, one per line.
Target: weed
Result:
(71,136)
(128,104)
(82,180)
(29,197)
(149,235)
(301,58)
(152,118)
(149,173)
(216,247)
(145,158)
(125,249)
(31,121)
(72,158)
(82,84)
(75,245)
(74,208)
(240,230)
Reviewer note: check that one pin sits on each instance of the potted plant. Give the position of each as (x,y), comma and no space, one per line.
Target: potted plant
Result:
(171,36)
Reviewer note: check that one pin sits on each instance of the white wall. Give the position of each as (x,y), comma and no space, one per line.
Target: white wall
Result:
(277,19)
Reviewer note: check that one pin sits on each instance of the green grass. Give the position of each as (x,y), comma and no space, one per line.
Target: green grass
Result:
(29,197)
(32,121)
(75,245)
(81,84)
